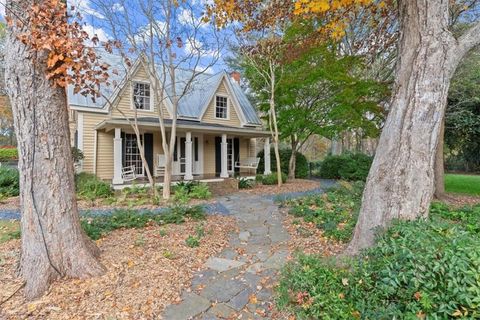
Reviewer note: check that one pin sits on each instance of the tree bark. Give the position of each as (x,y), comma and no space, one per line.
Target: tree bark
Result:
(273,119)
(292,163)
(401,181)
(440,166)
(53,242)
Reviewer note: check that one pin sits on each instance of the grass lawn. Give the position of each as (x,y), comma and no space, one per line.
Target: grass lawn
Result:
(9,230)
(460,183)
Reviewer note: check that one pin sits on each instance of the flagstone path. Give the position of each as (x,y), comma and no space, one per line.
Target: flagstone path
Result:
(239,281)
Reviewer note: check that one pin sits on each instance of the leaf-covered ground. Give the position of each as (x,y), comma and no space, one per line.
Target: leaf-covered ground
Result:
(297,185)
(146,270)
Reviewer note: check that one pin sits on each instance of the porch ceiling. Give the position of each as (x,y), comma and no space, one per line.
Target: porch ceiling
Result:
(183,125)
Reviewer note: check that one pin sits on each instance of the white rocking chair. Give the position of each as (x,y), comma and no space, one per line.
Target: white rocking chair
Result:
(248,163)
(128,173)
(160,168)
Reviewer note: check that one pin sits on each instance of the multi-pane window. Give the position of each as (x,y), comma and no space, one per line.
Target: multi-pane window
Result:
(221,107)
(132,153)
(141,95)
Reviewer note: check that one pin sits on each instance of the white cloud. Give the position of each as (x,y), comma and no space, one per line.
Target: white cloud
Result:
(205,69)
(187,18)
(85,8)
(118,7)
(143,34)
(196,47)
(101,34)
(2,9)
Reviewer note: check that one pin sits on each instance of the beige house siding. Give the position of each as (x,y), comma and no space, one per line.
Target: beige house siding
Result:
(90,120)
(125,106)
(209,116)
(105,155)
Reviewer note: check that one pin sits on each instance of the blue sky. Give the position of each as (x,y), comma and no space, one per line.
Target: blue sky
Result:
(96,17)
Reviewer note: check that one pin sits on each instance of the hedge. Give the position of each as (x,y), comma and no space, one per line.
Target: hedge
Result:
(301,169)
(8,154)
(9,182)
(348,166)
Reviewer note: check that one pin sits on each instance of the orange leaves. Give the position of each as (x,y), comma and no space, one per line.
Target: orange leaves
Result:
(58,38)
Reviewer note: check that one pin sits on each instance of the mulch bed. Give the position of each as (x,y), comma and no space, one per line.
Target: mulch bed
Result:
(458,200)
(306,238)
(146,271)
(297,185)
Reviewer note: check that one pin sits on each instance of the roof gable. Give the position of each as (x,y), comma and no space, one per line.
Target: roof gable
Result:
(193,104)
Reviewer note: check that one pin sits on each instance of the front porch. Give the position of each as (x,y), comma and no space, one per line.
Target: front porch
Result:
(143,181)
(203,152)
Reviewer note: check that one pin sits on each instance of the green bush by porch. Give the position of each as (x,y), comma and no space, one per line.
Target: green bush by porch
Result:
(347,166)
(301,169)
(8,154)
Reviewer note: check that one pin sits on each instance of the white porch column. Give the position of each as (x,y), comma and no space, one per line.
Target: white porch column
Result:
(266,149)
(188,157)
(224,172)
(117,157)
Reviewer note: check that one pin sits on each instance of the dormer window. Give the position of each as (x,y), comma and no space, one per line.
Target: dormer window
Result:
(141,96)
(221,107)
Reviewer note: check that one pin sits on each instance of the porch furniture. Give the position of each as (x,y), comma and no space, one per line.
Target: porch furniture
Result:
(160,168)
(128,173)
(248,163)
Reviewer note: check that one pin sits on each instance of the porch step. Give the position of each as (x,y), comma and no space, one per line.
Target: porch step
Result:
(221,188)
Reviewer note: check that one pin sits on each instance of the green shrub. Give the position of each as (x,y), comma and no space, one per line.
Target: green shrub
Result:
(416,269)
(186,185)
(244,183)
(90,187)
(200,191)
(9,182)
(186,190)
(177,214)
(348,166)
(98,226)
(271,179)
(8,154)
(301,168)
(77,154)
(469,217)
(335,212)
(192,241)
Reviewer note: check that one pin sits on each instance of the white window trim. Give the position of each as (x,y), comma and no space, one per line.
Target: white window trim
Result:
(215,107)
(152,101)
(141,175)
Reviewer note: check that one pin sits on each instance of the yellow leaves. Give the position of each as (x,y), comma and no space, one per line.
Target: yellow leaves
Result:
(459,313)
(303,7)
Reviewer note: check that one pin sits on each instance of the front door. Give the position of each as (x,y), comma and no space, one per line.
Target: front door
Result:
(233,152)
(180,154)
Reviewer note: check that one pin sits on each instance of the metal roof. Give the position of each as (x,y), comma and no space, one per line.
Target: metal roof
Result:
(191,104)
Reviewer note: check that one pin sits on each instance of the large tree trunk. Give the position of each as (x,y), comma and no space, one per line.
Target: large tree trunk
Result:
(440,166)
(401,181)
(53,242)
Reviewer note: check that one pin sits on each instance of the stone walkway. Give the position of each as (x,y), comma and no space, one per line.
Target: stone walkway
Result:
(239,281)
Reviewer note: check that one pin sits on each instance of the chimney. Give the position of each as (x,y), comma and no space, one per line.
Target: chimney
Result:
(235,75)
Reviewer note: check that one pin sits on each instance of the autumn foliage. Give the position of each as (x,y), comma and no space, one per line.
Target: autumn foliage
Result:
(58,38)
(331,16)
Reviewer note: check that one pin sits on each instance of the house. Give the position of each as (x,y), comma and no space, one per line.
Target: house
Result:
(218,130)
